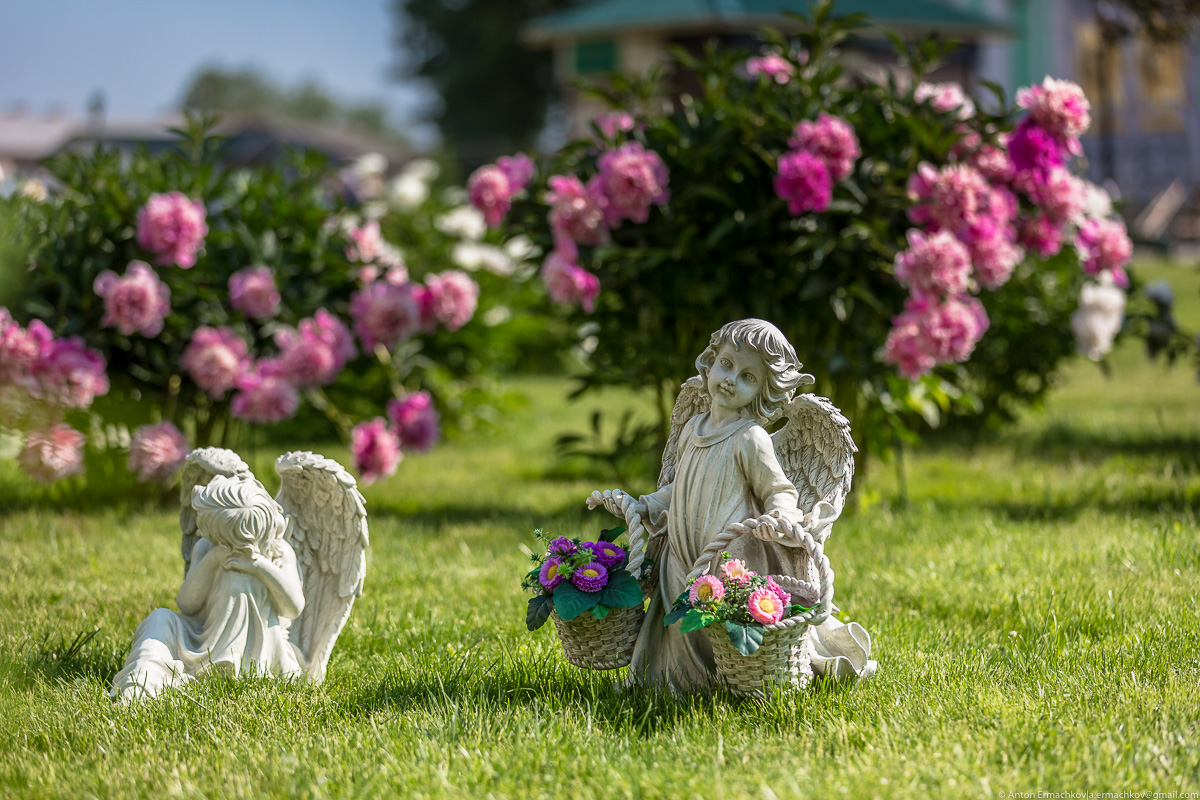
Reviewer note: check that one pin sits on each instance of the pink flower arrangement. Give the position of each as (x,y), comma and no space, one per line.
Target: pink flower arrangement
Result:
(68,373)
(215,358)
(156,452)
(1104,247)
(591,577)
(253,292)
(765,606)
(567,282)
(576,211)
(492,187)
(385,314)
(948,198)
(366,243)
(803,181)
(173,227)
(632,179)
(1060,108)
(936,262)
(830,139)
(453,298)
(415,421)
(771,65)
(735,570)
(376,450)
(137,302)
(52,454)
(706,589)
(785,599)
(946,97)
(262,397)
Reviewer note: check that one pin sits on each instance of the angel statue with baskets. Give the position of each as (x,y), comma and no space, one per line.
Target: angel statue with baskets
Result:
(737,502)
(268,582)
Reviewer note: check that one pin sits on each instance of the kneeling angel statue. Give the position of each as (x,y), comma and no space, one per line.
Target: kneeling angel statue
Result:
(268,582)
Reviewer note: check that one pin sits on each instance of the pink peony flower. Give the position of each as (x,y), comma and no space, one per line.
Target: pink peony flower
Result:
(736,570)
(930,332)
(366,243)
(414,421)
(706,589)
(803,181)
(951,196)
(20,348)
(771,65)
(937,263)
(313,355)
(518,169)
(577,212)
(490,191)
(906,348)
(156,452)
(173,228)
(765,606)
(1034,153)
(591,577)
(567,282)
(830,139)
(631,179)
(385,314)
(1041,234)
(262,397)
(1060,108)
(550,575)
(376,450)
(613,123)
(68,372)
(995,255)
(1061,196)
(136,302)
(215,357)
(453,298)
(1104,247)
(52,454)
(252,291)
(993,163)
(946,97)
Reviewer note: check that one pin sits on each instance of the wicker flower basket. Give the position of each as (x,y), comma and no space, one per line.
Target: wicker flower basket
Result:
(607,643)
(784,659)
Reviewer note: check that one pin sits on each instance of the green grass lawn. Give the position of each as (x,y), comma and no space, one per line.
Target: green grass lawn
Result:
(1034,610)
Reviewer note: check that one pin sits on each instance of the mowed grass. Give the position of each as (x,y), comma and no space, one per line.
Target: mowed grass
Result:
(1034,609)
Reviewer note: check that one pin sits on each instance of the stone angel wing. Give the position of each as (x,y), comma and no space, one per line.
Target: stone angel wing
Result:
(816,452)
(327,527)
(200,467)
(693,399)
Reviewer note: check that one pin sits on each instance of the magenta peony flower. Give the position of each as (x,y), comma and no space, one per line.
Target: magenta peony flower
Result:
(803,181)
(52,454)
(830,139)
(215,358)
(385,314)
(765,606)
(1061,196)
(995,255)
(1104,246)
(376,450)
(313,355)
(936,263)
(567,282)
(549,576)
(591,577)
(1034,153)
(262,397)
(562,546)
(771,65)
(1041,234)
(136,302)
(156,452)
(68,372)
(1060,108)
(993,163)
(366,243)
(613,123)
(576,211)
(784,598)
(706,589)
(252,291)
(518,169)
(946,97)
(607,553)
(951,196)
(20,348)
(906,348)
(173,228)
(453,297)
(631,179)
(415,421)
(490,191)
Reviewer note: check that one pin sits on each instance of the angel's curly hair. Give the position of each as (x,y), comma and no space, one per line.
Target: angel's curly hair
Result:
(239,513)
(778,355)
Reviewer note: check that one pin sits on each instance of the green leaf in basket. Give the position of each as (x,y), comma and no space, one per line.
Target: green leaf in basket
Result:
(695,619)
(675,616)
(539,611)
(745,638)
(621,591)
(569,602)
(600,611)
(611,534)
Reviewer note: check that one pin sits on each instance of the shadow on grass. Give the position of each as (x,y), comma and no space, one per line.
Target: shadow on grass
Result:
(55,658)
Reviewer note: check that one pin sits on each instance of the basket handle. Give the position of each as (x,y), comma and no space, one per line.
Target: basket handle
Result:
(620,504)
(791,530)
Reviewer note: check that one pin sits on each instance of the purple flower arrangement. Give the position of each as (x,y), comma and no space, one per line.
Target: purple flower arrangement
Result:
(740,599)
(574,577)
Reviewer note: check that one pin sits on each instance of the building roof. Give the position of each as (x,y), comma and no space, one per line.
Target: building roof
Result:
(606,17)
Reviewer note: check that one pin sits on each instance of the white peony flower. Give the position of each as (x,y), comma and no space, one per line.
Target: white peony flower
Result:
(1099,317)
(464,221)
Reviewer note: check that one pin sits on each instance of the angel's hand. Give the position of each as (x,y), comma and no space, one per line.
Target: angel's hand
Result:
(247,565)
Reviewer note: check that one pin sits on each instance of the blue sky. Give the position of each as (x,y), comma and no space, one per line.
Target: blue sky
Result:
(55,53)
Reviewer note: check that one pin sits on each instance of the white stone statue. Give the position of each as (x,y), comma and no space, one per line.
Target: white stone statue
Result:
(720,466)
(268,583)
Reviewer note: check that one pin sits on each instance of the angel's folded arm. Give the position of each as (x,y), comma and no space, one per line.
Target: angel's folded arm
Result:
(283,583)
(766,477)
(206,562)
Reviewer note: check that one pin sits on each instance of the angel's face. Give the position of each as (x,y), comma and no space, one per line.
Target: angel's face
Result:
(736,377)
